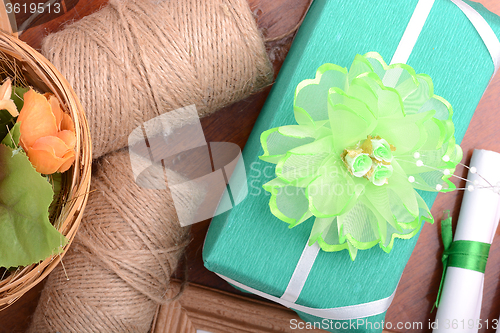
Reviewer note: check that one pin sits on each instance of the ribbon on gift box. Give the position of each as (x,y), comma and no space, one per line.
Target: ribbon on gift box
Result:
(309,254)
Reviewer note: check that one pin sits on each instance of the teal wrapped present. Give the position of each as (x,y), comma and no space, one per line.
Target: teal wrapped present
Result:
(257,252)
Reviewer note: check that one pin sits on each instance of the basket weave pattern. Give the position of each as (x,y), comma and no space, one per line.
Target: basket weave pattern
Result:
(41,74)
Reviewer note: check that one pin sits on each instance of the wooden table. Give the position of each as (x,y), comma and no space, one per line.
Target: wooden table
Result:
(419,284)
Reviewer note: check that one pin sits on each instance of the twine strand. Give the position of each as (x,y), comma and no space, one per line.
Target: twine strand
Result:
(134,60)
(128,63)
(121,260)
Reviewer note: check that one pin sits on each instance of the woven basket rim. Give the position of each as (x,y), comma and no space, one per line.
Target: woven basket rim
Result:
(41,70)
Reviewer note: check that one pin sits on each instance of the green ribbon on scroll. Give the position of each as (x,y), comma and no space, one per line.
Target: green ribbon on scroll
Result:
(465,254)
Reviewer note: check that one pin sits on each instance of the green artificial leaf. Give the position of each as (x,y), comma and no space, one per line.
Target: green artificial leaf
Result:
(26,234)
(12,138)
(6,119)
(18,96)
(6,123)
(56,181)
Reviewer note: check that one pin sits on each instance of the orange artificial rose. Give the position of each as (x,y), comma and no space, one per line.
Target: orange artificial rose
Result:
(47,133)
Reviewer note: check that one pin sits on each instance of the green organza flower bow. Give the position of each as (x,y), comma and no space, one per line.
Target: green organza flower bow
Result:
(366,139)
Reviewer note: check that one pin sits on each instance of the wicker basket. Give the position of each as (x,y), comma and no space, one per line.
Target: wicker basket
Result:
(41,74)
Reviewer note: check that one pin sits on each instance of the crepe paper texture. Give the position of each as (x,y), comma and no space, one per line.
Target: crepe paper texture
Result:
(358,153)
(248,243)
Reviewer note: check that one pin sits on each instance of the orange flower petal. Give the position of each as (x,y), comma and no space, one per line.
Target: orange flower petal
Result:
(69,160)
(58,146)
(36,119)
(49,154)
(47,133)
(67,123)
(56,108)
(44,161)
(68,137)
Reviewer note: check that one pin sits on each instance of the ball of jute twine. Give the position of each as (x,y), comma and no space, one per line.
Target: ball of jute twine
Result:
(136,59)
(128,63)
(118,268)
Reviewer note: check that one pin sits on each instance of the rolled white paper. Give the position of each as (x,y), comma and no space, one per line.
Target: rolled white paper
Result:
(460,305)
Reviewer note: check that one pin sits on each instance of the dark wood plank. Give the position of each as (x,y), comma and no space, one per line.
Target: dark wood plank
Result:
(73,10)
(221,312)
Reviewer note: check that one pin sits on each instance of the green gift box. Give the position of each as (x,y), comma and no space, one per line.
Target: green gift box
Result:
(253,249)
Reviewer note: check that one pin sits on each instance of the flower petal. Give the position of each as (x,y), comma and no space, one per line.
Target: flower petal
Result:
(442,107)
(49,153)
(300,168)
(323,145)
(56,108)
(378,197)
(6,89)
(310,102)
(288,202)
(406,134)
(348,127)
(390,104)
(302,164)
(377,63)
(405,75)
(359,66)
(333,192)
(321,227)
(10,106)
(276,145)
(305,131)
(69,159)
(410,229)
(403,189)
(68,137)
(425,90)
(337,97)
(362,91)
(325,231)
(67,123)
(36,119)
(359,226)
(434,174)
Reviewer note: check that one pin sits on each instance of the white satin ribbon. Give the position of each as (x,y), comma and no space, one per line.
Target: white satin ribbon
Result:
(301,273)
(306,261)
(416,24)
(413,30)
(408,41)
(483,28)
(340,313)
(296,284)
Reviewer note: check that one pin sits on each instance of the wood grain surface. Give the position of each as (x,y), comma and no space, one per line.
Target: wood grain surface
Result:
(419,284)
(222,312)
(217,311)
